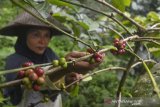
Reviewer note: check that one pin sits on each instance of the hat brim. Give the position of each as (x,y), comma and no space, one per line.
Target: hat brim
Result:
(20,29)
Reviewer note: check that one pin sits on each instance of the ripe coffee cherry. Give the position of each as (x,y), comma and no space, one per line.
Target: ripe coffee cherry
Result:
(33,76)
(97,57)
(40,81)
(39,71)
(21,74)
(121,51)
(55,63)
(29,71)
(116,42)
(120,45)
(27,64)
(62,61)
(36,87)
(26,81)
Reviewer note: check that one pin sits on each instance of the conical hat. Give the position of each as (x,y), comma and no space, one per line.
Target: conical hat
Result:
(25,21)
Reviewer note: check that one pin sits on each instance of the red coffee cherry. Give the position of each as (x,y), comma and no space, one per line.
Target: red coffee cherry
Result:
(27,64)
(35,87)
(121,51)
(97,57)
(21,74)
(120,45)
(33,76)
(39,71)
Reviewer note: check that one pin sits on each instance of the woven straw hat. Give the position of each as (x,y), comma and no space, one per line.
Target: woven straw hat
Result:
(25,21)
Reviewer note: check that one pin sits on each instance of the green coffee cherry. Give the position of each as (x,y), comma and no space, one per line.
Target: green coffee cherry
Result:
(45,99)
(62,61)
(26,81)
(64,65)
(91,61)
(55,63)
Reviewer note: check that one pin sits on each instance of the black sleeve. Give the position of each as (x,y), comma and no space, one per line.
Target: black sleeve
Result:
(14,92)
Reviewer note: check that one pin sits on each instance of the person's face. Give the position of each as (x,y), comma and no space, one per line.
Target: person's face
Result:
(38,40)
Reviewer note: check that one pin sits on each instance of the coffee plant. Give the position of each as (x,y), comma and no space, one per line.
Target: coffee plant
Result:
(130,42)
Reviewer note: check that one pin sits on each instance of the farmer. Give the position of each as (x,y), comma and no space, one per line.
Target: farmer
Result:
(33,37)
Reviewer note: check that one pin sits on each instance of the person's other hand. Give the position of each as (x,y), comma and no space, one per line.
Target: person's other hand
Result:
(82,66)
(71,77)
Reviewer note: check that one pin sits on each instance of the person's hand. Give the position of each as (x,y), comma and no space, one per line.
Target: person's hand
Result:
(82,66)
(71,77)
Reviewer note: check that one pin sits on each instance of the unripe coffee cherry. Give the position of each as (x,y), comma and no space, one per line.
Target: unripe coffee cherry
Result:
(45,99)
(39,71)
(29,86)
(55,63)
(40,81)
(64,65)
(91,61)
(26,81)
(33,76)
(62,61)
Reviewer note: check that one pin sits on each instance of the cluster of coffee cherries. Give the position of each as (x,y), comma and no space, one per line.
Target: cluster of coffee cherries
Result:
(61,62)
(120,45)
(32,78)
(97,57)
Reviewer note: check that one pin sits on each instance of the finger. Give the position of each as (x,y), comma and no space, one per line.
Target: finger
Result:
(83,65)
(77,54)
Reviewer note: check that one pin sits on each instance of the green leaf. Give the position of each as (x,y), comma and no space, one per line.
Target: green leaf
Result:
(60,3)
(127,2)
(76,30)
(121,4)
(108,47)
(84,25)
(93,25)
(75,90)
(118,4)
(1,98)
(89,78)
(153,16)
(155,51)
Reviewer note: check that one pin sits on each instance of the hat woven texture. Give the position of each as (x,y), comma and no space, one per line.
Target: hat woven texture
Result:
(25,21)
